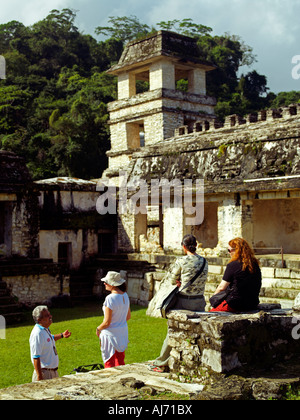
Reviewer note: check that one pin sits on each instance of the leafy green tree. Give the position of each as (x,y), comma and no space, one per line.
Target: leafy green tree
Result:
(53,101)
(124,28)
(284,99)
(228,52)
(185,27)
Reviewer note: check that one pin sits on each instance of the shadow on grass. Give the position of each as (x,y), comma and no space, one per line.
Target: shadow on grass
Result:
(88,309)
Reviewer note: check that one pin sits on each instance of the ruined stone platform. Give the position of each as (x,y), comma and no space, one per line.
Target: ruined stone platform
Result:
(225,342)
(219,356)
(127,382)
(134,383)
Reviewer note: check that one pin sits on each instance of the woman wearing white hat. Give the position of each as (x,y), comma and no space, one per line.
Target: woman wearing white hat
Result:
(113,332)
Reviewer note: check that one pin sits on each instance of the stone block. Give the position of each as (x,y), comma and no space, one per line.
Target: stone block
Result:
(295,274)
(282,273)
(226,342)
(215,269)
(134,288)
(268,272)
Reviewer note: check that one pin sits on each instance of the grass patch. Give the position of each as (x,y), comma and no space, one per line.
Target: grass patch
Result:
(146,336)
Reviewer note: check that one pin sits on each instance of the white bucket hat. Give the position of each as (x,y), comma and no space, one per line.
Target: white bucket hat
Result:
(113,279)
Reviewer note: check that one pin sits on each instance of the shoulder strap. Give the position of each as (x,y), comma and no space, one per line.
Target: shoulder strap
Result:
(196,275)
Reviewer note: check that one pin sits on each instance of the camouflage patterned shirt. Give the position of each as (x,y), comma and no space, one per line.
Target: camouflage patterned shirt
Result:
(184,270)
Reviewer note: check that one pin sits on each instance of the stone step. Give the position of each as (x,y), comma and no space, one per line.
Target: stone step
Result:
(7,309)
(281,283)
(4,292)
(284,303)
(271,294)
(278,293)
(6,299)
(14,318)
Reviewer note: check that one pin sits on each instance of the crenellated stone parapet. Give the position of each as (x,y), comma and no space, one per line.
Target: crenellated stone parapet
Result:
(206,124)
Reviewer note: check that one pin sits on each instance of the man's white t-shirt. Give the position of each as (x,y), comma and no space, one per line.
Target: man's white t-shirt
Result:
(42,346)
(115,337)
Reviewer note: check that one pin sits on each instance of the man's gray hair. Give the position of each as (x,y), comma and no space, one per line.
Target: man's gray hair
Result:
(36,313)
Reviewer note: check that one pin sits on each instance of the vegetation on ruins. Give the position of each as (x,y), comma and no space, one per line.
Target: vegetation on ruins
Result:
(53,103)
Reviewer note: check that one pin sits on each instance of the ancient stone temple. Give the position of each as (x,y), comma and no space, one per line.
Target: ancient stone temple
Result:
(18,209)
(49,231)
(250,166)
(144,119)
(243,173)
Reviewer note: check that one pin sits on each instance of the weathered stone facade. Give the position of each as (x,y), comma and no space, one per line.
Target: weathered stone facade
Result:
(18,209)
(70,227)
(250,165)
(246,169)
(224,342)
(47,229)
(149,117)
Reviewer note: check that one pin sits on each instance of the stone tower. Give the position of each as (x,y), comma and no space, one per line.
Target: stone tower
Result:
(143,119)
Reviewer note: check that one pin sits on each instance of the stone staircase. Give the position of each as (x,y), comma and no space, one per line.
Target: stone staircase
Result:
(9,308)
(126,262)
(280,285)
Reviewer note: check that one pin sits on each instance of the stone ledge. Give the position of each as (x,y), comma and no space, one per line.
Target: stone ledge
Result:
(120,383)
(223,342)
(129,382)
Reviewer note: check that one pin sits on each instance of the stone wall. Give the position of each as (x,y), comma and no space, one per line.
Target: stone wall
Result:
(246,166)
(249,151)
(158,113)
(35,281)
(25,225)
(224,342)
(18,208)
(37,289)
(68,218)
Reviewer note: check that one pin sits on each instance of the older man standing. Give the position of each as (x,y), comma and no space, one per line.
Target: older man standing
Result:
(42,345)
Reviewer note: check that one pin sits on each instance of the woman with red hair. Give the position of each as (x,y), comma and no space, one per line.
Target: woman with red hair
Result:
(242,279)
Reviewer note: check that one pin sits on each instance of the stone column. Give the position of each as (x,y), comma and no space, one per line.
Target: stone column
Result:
(126,85)
(197,81)
(229,221)
(162,75)
(130,227)
(247,221)
(174,228)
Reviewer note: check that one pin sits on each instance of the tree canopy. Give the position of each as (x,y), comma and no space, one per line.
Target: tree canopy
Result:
(53,102)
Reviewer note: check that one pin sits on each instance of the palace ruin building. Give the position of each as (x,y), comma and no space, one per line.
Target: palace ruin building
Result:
(251,172)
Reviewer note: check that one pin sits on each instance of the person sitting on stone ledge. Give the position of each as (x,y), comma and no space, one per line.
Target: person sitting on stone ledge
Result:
(241,280)
(192,298)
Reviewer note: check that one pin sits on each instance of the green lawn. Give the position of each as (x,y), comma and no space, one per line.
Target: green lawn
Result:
(146,336)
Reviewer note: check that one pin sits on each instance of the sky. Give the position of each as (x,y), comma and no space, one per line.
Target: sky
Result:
(270,27)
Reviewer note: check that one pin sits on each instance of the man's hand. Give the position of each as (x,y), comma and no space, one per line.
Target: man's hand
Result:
(66,334)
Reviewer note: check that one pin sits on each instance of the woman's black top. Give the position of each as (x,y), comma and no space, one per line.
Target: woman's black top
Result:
(244,286)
